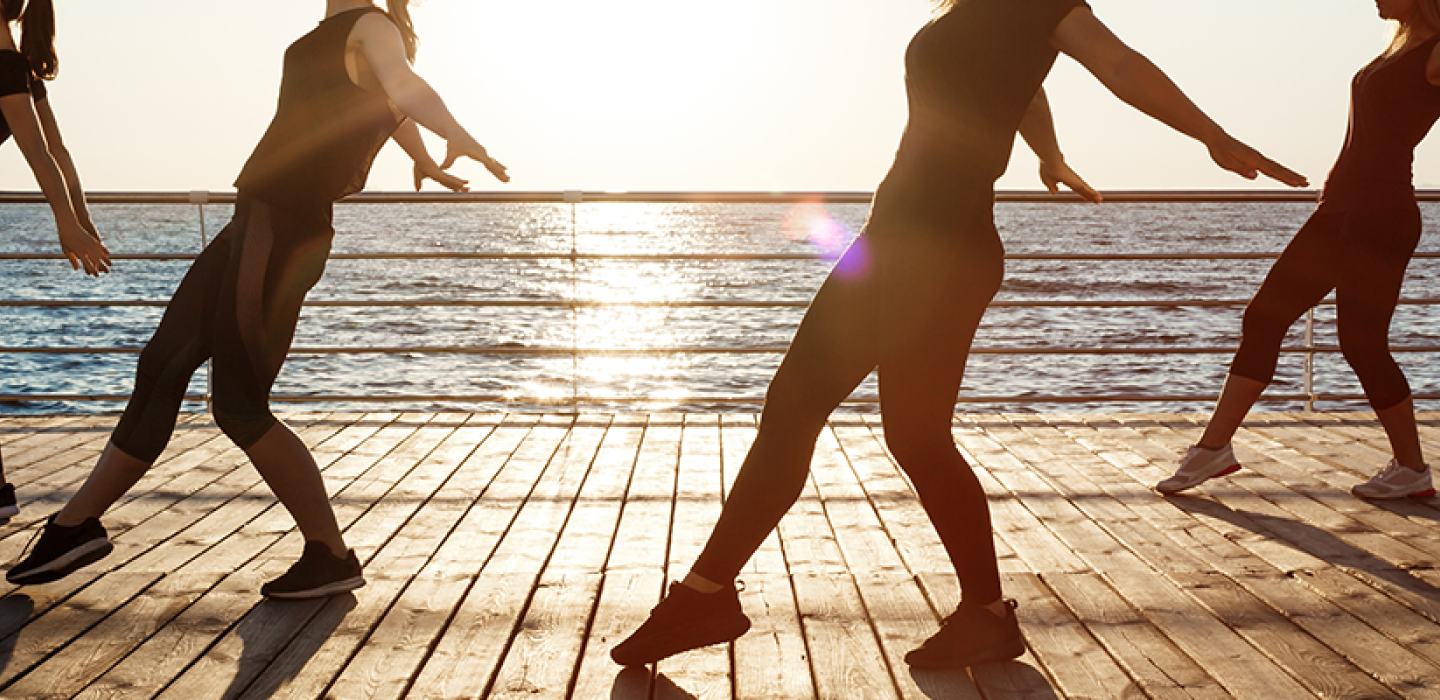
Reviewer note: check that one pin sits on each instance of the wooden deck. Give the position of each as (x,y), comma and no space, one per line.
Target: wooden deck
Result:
(506,554)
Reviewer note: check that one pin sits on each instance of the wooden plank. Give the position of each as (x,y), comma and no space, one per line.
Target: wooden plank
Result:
(642,540)
(771,660)
(903,619)
(846,656)
(626,597)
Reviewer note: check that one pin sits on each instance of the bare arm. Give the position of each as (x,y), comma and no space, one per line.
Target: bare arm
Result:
(1142,85)
(56,144)
(384,51)
(1038,130)
(407,137)
(82,249)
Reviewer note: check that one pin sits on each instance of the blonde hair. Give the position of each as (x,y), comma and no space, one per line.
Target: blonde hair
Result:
(1427,16)
(943,6)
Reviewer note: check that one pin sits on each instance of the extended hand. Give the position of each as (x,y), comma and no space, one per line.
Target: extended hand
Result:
(1249,163)
(431,171)
(1056,174)
(84,249)
(466,147)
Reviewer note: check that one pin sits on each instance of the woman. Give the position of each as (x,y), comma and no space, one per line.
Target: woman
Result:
(25,112)
(932,260)
(347,87)
(1357,243)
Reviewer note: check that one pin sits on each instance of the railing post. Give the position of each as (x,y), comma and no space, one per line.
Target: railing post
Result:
(573,198)
(200,198)
(1310,360)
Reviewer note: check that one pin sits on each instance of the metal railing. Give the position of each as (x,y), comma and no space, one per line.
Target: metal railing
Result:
(1309,348)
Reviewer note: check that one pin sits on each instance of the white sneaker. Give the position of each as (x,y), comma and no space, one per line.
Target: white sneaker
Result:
(1198,465)
(1395,481)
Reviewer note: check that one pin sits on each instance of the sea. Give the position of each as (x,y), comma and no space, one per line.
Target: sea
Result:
(690,381)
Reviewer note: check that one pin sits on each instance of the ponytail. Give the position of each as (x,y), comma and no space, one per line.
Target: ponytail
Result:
(37,33)
(399,14)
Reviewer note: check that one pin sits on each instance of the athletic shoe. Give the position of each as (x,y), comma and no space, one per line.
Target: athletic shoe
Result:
(686,619)
(317,574)
(61,550)
(1198,465)
(9,507)
(1395,481)
(969,636)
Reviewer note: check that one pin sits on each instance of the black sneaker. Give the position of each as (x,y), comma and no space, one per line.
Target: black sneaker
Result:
(969,636)
(61,550)
(9,507)
(687,619)
(318,574)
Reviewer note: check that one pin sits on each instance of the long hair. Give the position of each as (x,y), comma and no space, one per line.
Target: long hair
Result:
(943,6)
(37,33)
(1427,16)
(400,14)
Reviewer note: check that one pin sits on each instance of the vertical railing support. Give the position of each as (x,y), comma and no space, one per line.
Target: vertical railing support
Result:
(200,198)
(573,198)
(1310,360)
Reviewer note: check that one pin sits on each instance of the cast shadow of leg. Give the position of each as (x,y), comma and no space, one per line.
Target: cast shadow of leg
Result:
(1015,679)
(280,637)
(15,611)
(635,683)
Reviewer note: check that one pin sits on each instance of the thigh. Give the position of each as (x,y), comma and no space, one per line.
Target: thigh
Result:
(836,344)
(1306,270)
(1377,250)
(934,294)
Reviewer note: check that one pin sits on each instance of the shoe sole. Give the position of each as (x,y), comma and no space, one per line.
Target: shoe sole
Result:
(9,512)
(670,648)
(1427,493)
(85,554)
(1223,472)
(1005,652)
(324,591)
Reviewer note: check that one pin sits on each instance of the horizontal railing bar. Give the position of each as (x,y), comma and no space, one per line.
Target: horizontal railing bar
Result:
(692,350)
(702,197)
(698,257)
(593,304)
(756,400)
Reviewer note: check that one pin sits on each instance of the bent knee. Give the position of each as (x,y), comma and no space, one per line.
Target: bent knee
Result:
(244,427)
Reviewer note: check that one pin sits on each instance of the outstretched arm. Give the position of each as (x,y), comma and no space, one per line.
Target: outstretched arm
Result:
(1142,85)
(384,51)
(56,145)
(81,247)
(1038,130)
(409,140)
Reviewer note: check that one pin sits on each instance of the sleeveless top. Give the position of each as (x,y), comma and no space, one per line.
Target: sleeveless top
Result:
(17,78)
(970,76)
(326,131)
(1392,107)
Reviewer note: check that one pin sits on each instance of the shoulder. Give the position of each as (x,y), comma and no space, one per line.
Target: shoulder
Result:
(375,23)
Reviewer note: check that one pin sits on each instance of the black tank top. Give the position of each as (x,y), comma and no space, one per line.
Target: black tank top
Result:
(17,78)
(1392,107)
(326,131)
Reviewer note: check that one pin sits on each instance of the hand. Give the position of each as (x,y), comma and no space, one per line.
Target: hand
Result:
(1249,163)
(464,146)
(1056,174)
(84,249)
(431,171)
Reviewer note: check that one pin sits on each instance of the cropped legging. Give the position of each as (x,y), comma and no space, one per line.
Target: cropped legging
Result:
(237,306)
(908,303)
(1362,256)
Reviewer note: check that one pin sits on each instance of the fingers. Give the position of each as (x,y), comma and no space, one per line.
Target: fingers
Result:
(1280,173)
(496,169)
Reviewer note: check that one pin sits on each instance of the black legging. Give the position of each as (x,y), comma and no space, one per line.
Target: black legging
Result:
(908,304)
(238,305)
(1361,255)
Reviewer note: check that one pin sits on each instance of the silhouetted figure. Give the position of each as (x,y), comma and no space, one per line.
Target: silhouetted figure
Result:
(1356,243)
(347,88)
(906,298)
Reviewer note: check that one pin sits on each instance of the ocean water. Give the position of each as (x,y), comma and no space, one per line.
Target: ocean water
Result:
(692,381)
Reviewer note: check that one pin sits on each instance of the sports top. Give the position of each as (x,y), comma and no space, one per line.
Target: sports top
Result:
(1392,107)
(326,131)
(970,76)
(16,78)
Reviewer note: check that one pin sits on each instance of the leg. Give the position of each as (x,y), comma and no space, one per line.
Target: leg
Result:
(1379,246)
(832,352)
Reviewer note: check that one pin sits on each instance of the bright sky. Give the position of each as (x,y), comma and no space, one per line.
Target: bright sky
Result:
(666,95)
